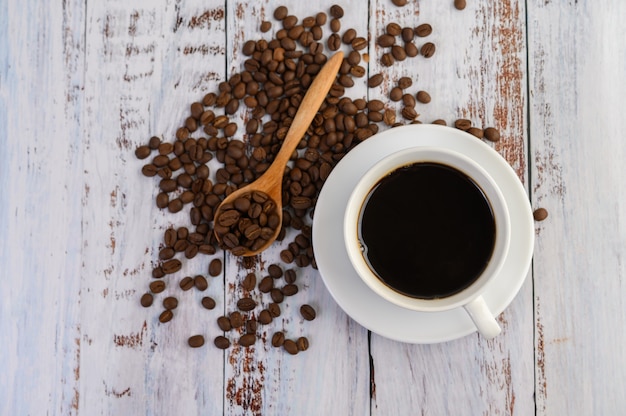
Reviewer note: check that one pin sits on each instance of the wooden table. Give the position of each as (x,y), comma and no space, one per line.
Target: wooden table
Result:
(83,83)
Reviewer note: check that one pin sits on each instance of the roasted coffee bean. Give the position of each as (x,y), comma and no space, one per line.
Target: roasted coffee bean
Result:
(375,80)
(246,304)
(208,302)
(170,302)
(428,50)
(200,283)
(463,124)
(358,43)
(336,11)
(158,272)
(146,300)
(399,3)
(423,30)
(395,94)
(302,343)
(224,323)
(175,205)
(423,97)
(265,317)
(492,134)
(166,253)
(348,36)
(247,340)
(196,341)
(290,346)
(386,40)
(440,122)
(290,276)
(389,117)
(333,42)
(407,34)
(409,113)
(149,170)
(249,282)
(540,214)
(221,342)
(277,295)
(266,284)
(236,319)
(460,4)
(393,29)
(280,12)
(154,142)
(307,312)
(278,339)
(251,326)
(157,286)
(289,290)
(170,237)
(286,256)
(215,267)
(398,53)
(266,26)
(166,316)
(186,283)
(411,50)
(477,132)
(172,266)
(274,309)
(387,59)
(335,25)
(143,152)
(275,271)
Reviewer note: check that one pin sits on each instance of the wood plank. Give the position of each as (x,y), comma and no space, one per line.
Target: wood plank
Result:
(477,73)
(332,377)
(41,77)
(145,65)
(577,67)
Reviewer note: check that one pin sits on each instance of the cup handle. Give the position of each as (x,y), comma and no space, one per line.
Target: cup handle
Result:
(483,318)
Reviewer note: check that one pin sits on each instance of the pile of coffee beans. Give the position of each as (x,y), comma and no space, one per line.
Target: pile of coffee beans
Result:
(275,76)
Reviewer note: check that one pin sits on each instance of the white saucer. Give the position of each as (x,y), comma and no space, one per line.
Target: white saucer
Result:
(355,297)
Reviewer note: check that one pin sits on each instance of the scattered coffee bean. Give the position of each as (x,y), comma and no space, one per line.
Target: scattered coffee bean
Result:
(186,283)
(375,80)
(440,122)
(215,267)
(221,342)
(170,302)
(142,152)
(278,339)
(290,346)
(266,26)
(423,97)
(166,316)
(428,50)
(399,3)
(157,286)
(289,290)
(460,4)
(475,131)
(275,271)
(247,340)
(277,295)
(492,134)
(249,282)
(274,309)
(172,266)
(196,341)
(463,124)
(540,214)
(251,326)
(265,317)
(246,304)
(208,302)
(266,284)
(302,343)
(280,12)
(236,319)
(307,312)
(200,283)
(423,30)
(336,11)
(146,300)
(393,29)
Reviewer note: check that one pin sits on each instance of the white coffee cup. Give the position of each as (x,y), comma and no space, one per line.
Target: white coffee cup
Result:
(470,298)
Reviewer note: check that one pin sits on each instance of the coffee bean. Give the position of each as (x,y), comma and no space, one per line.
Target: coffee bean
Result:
(275,271)
(208,302)
(463,124)
(358,43)
(460,4)
(290,346)
(286,256)
(143,152)
(386,40)
(277,295)
(307,312)
(290,276)
(246,304)
(409,113)
(266,284)
(247,340)
(265,317)
(196,341)
(249,282)
(215,267)
(302,343)
(157,286)
(200,283)
(393,29)
(186,283)
(336,11)
(423,30)
(335,25)
(540,214)
(423,97)
(236,319)
(411,50)
(289,290)
(492,134)
(266,26)
(224,323)
(166,316)
(274,309)
(348,36)
(399,3)
(280,12)
(146,300)
(389,117)
(475,131)
(221,342)
(278,339)
(375,80)
(395,94)
(428,50)
(387,59)
(440,122)
(170,302)
(158,272)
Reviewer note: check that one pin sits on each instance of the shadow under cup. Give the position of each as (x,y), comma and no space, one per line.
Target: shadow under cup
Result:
(427,229)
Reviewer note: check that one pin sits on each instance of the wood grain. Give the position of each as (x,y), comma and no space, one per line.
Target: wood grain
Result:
(577,64)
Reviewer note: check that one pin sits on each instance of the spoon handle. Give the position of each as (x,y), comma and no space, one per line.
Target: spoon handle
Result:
(311,102)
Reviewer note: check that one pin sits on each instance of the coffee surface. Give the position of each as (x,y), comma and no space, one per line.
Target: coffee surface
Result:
(427,230)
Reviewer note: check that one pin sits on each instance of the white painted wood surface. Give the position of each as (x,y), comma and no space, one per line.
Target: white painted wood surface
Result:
(82,83)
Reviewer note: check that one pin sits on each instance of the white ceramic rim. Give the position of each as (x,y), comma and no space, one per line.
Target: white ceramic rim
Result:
(434,155)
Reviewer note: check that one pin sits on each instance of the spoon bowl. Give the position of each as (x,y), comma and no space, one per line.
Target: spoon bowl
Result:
(270,183)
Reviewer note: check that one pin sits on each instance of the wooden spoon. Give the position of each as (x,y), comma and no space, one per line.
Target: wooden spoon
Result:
(271,181)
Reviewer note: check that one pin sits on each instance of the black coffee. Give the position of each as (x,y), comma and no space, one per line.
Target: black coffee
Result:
(427,230)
